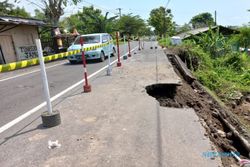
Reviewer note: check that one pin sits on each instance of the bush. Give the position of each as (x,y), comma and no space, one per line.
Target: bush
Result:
(165,42)
(226,74)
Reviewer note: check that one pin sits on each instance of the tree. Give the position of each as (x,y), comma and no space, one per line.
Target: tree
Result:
(53,9)
(132,25)
(71,22)
(213,42)
(20,12)
(161,19)
(5,7)
(8,9)
(89,20)
(243,38)
(100,22)
(184,28)
(202,20)
(39,15)
(45,31)
(145,31)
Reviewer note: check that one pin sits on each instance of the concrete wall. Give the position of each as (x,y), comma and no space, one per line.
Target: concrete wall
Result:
(23,41)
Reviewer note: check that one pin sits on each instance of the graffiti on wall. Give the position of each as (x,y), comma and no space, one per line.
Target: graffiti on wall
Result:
(27,52)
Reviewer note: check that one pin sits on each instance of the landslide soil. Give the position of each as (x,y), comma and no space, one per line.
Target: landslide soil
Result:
(194,96)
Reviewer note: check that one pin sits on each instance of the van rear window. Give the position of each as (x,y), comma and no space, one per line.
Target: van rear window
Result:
(88,39)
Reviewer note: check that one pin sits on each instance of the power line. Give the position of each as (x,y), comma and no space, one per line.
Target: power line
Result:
(94,5)
(100,7)
(165,27)
(35,4)
(167,4)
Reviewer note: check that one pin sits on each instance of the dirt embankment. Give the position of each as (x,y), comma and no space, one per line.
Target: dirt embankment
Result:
(215,118)
(242,109)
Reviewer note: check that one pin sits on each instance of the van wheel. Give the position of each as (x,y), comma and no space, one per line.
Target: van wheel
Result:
(113,54)
(102,57)
(72,61)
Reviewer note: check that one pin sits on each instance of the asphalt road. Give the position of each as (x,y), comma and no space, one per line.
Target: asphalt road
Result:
(21,94)
(117,124)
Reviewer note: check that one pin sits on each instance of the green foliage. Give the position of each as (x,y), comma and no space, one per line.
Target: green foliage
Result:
(243,38)
(132,25)
(8,9)
(233,61)
(45,32)
(20,12)
(226,74)
(39,15)
(162,20)
(145,31)
(165,41)
(196,52)
(5,7)
(54,9)
(184,28)
(213,42)
(202,20)
(89,20)
(99,22)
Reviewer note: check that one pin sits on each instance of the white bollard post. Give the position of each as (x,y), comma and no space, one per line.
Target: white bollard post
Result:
(44,76)
(109,61)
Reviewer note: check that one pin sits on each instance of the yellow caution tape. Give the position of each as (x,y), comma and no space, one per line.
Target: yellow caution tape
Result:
(35,61)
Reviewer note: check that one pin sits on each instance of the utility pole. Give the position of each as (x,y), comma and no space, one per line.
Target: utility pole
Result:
(165,15)
(215,17)
(120,11)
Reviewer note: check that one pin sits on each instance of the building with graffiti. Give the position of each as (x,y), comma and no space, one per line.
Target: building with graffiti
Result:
(17,38)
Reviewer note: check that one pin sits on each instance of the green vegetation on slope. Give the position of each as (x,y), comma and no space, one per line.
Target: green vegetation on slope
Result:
(165,42)
(217,66)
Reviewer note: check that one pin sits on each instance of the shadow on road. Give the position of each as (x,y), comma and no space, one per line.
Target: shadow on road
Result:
(80,63)
(19,132)
(40,126)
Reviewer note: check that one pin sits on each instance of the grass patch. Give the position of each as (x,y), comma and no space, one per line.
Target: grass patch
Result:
(165,42)
(218,66)
(226,77)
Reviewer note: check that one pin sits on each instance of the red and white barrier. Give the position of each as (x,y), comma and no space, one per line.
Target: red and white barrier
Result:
(129,50)
(119,64)
(86,87)
(125,57)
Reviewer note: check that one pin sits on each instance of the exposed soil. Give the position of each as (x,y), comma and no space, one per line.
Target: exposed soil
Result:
(194,96)
(165,94)
(242,110)
(240,107)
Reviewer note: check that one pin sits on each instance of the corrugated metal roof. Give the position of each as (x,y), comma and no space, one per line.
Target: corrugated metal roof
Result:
(194,32)
(19,20)
(223,30)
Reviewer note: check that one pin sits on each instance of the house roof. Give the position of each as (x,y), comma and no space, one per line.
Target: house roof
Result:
(20,21)
(223,30)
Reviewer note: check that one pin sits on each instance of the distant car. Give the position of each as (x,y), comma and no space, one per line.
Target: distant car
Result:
(93,40)
(176,40)
(152,38)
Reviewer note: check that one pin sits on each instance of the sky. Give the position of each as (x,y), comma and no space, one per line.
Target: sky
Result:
(229,12)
